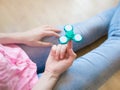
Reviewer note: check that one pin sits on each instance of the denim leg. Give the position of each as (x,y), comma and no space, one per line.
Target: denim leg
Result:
(91,30)
(91,70)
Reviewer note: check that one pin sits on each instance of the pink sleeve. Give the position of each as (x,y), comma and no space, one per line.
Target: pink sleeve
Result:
(17,71)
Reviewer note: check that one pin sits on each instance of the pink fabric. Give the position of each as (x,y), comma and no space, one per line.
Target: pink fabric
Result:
(17,71)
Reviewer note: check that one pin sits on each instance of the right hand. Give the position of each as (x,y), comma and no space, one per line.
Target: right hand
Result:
(60,58)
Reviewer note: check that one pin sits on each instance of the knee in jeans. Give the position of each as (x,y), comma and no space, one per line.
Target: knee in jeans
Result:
(114,31)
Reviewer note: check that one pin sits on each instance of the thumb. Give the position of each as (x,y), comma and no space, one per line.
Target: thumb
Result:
(45,44)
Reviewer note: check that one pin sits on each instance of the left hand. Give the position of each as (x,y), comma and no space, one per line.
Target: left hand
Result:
(34,37)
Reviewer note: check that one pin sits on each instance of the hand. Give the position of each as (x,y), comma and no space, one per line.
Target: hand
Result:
(34,37)
(60,59)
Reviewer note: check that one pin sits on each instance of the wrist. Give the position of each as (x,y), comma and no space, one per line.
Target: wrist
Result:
(51,75)
(16,38)
(46,81)
(7,38)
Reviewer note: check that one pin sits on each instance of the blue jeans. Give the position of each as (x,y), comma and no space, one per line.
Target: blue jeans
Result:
(91,70)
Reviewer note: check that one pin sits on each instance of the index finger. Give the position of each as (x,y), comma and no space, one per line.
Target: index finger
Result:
(54,29)
(51,33)
(69,45)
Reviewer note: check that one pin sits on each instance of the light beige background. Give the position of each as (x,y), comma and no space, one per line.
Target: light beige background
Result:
(21,15)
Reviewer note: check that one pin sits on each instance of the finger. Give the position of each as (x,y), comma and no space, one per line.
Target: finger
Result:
(54,29)
(51,33)
(63,51)
(58,52)
(53,50)
(70,51)
(72,54)
(47,26)
(45,44)
(51,28)
(69,45)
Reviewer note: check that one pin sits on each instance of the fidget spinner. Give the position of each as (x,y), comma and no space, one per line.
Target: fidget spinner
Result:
(69,35)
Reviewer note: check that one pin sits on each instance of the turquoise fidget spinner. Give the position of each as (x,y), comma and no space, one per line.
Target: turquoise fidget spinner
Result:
(69,35)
